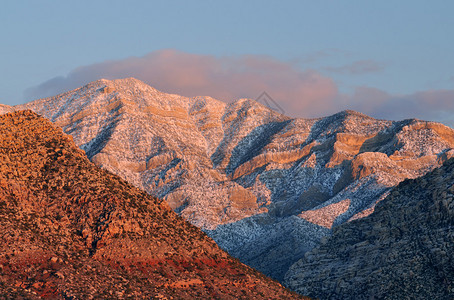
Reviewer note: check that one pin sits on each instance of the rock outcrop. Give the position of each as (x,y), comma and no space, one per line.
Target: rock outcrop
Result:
(266,187)
(70,230)
(5,109)
(404,250)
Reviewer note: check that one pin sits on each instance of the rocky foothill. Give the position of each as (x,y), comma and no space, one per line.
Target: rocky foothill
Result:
(70,230)
(404,250)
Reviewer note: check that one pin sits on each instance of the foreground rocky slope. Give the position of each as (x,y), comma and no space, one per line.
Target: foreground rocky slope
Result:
(70,230)
(404,250)
(266,187)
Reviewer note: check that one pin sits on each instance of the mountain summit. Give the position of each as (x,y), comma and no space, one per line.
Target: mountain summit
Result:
(264,186)
(168,145)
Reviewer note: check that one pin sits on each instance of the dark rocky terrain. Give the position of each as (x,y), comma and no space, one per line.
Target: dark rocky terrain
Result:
(267,188)
(404,250)
(70,230)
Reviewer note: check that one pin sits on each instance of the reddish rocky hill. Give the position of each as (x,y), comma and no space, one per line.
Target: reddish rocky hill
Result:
(70,230)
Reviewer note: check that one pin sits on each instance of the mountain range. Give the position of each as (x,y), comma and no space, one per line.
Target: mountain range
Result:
(267,188)
(70,230)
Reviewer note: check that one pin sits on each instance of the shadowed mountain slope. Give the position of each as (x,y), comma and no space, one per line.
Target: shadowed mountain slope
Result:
(266,187)
(404,250)
(70,230)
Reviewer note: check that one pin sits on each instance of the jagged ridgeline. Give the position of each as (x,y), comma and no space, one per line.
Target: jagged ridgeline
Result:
(404,250)
(70,230)
(267,188)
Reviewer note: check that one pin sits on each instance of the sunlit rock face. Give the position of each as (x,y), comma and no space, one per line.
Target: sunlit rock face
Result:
(265,186)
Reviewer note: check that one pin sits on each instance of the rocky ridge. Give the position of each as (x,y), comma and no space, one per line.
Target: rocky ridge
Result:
(71,230)
(405,249)
(266,187)
(5,109)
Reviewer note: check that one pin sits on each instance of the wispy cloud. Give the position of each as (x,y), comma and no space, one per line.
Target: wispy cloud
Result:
(358,67)
(323,54)
(437,105)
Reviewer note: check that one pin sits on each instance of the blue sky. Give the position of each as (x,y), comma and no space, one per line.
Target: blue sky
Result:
(389,59)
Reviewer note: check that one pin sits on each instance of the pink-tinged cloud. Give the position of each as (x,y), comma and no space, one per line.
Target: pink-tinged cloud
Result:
(298,92)
(358,67)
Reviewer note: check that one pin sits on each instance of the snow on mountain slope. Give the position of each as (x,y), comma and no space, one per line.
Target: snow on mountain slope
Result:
(266,187)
